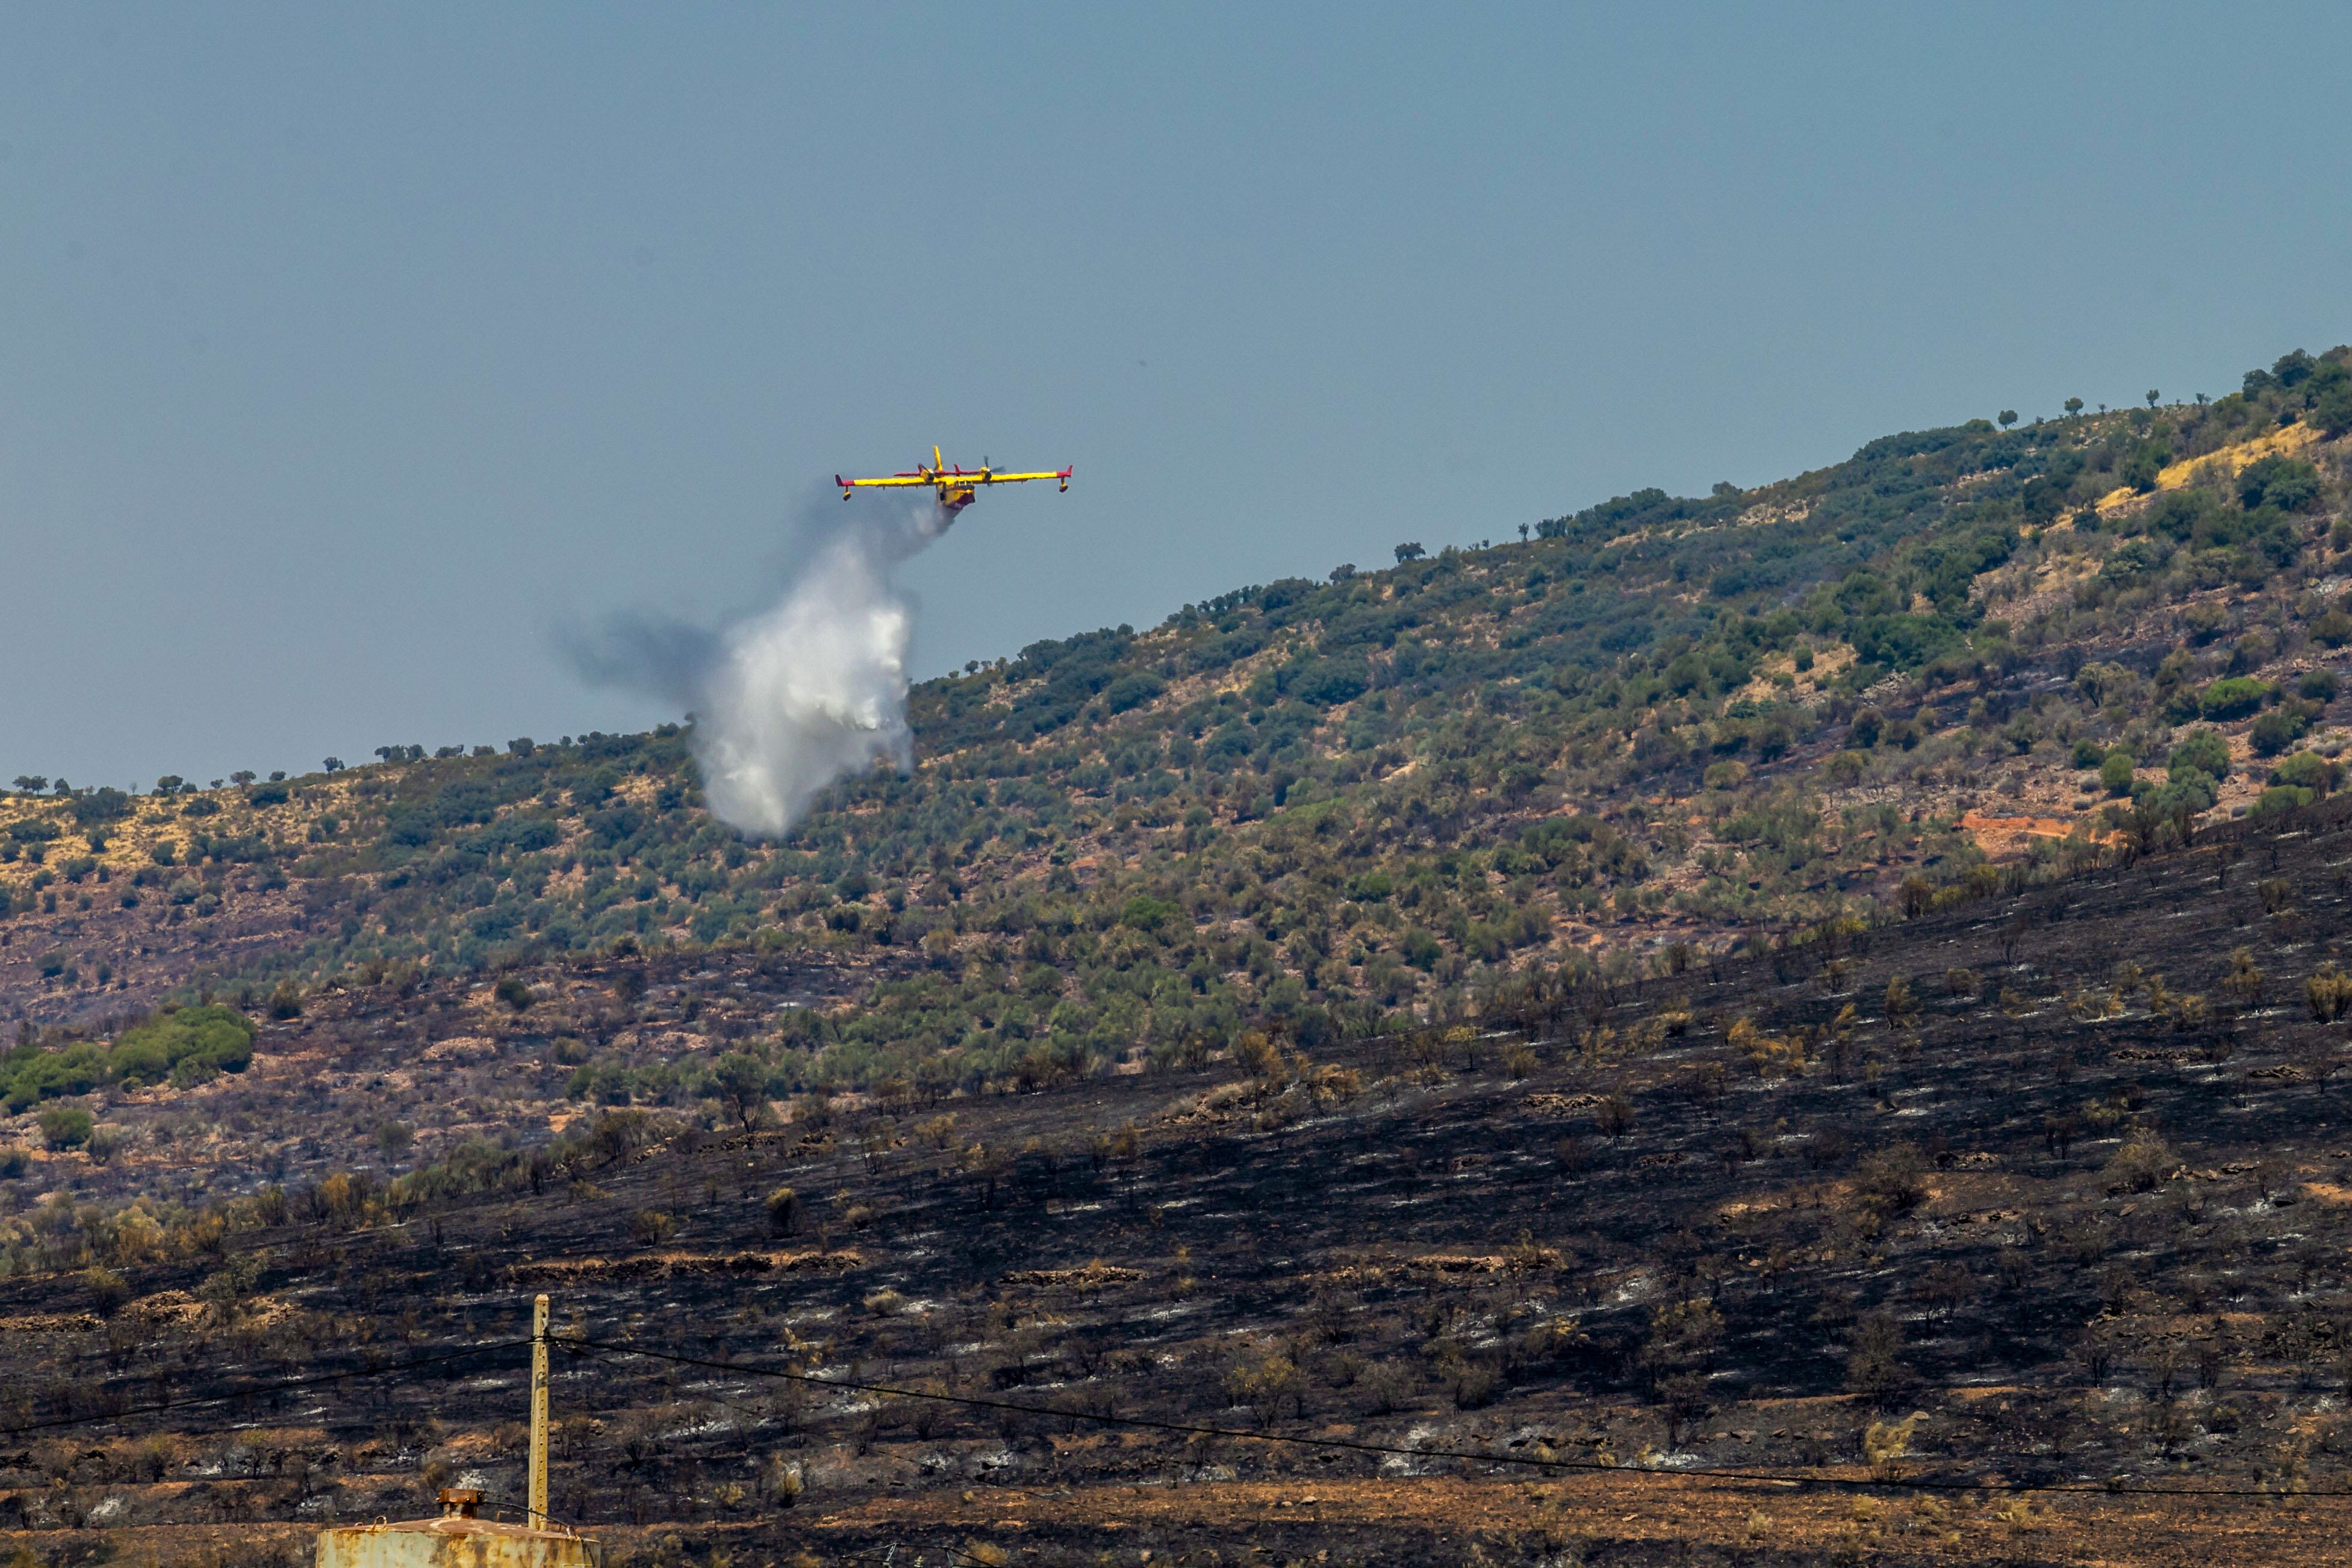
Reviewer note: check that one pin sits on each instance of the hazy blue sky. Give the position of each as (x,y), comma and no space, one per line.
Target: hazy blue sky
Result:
(349,353)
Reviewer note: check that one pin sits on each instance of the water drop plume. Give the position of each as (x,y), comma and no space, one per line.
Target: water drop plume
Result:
(788,699)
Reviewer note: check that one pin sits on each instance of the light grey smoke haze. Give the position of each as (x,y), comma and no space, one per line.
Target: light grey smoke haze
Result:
(791,698)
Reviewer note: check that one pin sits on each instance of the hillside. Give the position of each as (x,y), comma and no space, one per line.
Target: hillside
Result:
(1962,1239)
(1680,992)
(1654,727)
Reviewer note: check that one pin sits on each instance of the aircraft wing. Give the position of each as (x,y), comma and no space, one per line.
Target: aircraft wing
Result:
(895,481)
(1014,478)
(944,478)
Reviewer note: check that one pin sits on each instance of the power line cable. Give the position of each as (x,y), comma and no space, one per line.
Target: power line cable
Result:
(1183,1429)
(575,1345)
(1779,1479)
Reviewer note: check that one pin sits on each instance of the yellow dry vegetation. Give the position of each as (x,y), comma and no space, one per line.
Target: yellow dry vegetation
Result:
(2226,462)
(1804,686)
(155,819)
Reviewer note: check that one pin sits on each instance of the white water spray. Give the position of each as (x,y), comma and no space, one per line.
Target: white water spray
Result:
(789,698)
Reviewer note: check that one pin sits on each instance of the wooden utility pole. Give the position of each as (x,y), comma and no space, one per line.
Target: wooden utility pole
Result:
(537,1517)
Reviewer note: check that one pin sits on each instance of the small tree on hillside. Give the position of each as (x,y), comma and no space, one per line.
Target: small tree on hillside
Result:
(742,1080)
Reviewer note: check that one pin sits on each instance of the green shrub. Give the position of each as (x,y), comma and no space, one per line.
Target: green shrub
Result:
(1144,913)
(2116,772)
(1133,691)
(2088,753)
(2289,484)
(2186,789)
(2309,770)
(188,1046)
(101,804)
(2203,750)
(33,1075)
(2233,697)
(2275,732)
(2205,622)
(2333,413)
(2279,798)
(66,1126)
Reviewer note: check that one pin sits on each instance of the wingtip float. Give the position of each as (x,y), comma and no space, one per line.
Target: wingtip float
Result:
(957,487)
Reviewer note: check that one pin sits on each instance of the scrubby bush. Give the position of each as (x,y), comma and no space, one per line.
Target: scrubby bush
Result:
(2275,732)
(2144,1162)
(2309,770)
(66,1126)
(2186,790)
(107,1291)
(1873,1360)
(2233,697)
(2204,750)
(2279,798)
(101,804)
(2328,992)
(185,1045)
(2288,483)
(1892,1180)
(784,1211)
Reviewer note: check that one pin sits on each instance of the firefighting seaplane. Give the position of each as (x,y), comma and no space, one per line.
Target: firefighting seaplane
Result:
(957,487)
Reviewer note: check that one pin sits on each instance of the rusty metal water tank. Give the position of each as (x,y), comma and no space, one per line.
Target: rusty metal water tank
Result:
(458,1539)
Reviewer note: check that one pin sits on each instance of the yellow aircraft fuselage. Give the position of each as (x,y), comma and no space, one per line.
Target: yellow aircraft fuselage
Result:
(957,487)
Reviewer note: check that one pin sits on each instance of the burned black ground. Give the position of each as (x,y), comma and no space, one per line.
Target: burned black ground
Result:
(2068,1171)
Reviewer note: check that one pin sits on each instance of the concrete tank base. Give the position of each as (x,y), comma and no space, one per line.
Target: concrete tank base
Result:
(456,1539)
